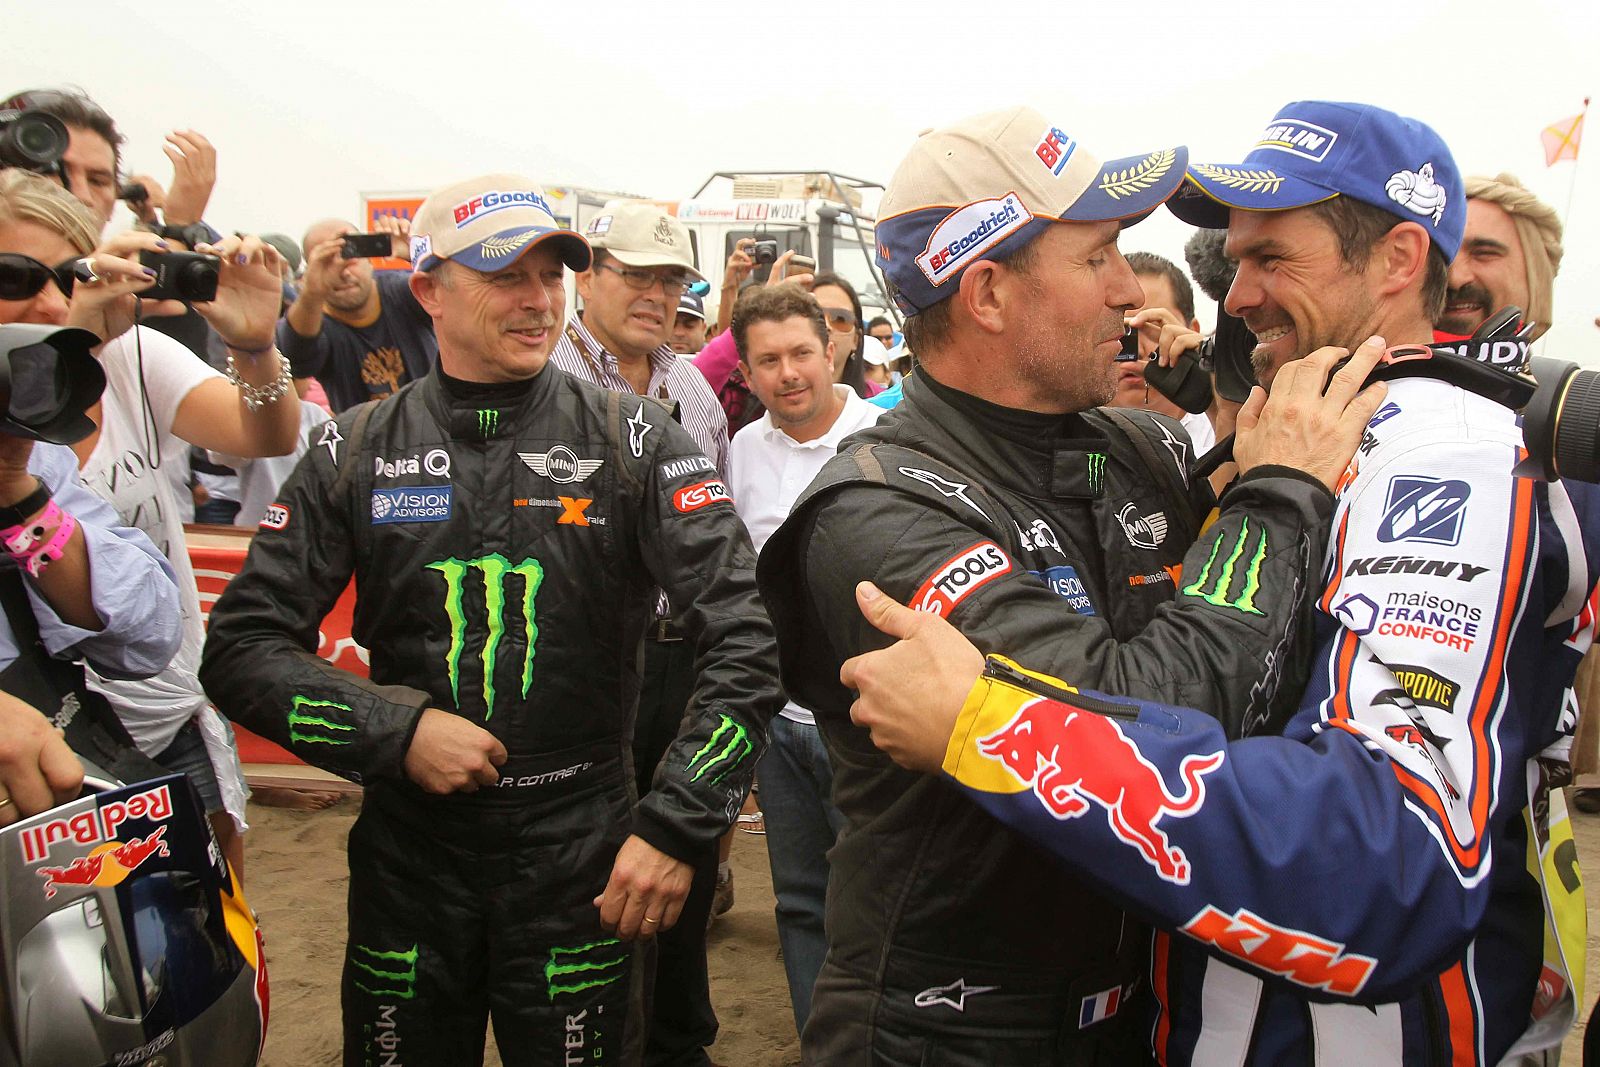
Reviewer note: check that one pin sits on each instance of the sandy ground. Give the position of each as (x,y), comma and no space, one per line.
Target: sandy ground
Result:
(296,881)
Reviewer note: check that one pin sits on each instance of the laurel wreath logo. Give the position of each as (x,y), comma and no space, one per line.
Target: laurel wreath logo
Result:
(1246,181)
(499,246)
(1139,177)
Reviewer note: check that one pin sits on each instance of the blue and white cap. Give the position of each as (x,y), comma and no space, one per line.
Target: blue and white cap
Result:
(985,187)
(1314,150)
(486,223)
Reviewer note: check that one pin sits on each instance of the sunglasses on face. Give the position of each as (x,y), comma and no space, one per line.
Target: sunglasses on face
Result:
(22,277)
(840,320)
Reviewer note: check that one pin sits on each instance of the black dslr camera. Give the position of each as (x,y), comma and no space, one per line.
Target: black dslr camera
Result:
(190,276)
(48,379)
(32,140)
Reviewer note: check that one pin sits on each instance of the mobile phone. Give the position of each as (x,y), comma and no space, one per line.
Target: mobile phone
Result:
(366,246)
(1130,346)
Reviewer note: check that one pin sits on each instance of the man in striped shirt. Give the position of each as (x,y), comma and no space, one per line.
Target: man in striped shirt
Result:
(643,262)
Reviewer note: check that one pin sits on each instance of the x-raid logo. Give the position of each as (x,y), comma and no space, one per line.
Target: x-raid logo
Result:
(967,232)
(1304,139)
(488,203)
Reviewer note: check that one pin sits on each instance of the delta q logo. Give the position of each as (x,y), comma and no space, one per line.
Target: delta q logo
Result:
(967,232)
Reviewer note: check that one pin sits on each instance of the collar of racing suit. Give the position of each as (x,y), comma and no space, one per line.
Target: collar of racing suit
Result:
(482,411)
(1032,452)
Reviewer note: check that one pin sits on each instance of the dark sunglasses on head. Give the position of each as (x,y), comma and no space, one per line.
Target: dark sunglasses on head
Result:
(22,277)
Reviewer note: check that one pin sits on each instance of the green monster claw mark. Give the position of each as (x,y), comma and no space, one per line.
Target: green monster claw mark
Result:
(488,421)
(494,569)
(391,981)
(1097,470)
(736,737)
(1218,594)
(317,722)
(573,977)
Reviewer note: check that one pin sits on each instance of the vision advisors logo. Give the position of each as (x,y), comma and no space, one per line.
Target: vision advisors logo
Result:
(492,572)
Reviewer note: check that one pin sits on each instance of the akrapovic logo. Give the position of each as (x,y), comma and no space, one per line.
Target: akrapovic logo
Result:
(959,577)
(1304,139)
(968,232)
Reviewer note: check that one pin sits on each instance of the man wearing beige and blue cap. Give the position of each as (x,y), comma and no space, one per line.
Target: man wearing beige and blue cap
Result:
(508,527)
(1002,499)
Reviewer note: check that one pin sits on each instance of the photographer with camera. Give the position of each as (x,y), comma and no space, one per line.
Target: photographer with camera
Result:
(1165,288)
(358,331)
(158,399)
(1360,889)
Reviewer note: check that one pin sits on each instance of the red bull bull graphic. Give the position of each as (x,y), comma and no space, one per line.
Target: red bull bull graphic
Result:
(109,864)
(1072,758)
(92,827)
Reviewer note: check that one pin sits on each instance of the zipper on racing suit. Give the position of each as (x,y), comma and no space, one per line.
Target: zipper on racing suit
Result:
(1001,671)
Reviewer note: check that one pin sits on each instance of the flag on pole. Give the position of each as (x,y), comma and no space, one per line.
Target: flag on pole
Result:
(1561,139)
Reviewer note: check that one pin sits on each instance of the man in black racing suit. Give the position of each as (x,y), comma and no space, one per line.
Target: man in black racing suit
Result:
(998,497)
(507,526)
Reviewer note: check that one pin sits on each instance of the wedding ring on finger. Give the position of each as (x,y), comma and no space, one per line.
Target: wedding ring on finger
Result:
(83,270)
(5,802)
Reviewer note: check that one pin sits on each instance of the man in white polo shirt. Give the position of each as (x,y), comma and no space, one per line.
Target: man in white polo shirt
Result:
(787,359)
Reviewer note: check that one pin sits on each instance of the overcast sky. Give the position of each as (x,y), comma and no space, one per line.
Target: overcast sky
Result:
(312,103)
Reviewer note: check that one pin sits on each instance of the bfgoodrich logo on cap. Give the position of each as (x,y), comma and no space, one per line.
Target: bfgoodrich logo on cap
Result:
(968,232)
(496,200)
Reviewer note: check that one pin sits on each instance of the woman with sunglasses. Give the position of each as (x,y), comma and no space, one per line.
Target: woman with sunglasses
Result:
(159,398)
(842,308)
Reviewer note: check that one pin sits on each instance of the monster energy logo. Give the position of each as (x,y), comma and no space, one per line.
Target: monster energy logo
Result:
(1097,470)
(572,970)
(393,974)
(494,569)
(1216,590)
(735,742)
(300,722)
(488,421)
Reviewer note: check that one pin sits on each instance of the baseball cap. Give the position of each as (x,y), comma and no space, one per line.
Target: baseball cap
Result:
(642,235)
(287,248)
(986,186)
(486,223)
(692,303)
(1314,150)
(875,352)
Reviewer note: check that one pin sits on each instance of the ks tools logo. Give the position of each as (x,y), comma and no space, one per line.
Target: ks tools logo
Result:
(735,742)
(391,974)
(493,570)
(1072,758)
(573,970)
(1216,584)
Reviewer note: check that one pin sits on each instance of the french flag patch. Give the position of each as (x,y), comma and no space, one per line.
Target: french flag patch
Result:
(1100,1006)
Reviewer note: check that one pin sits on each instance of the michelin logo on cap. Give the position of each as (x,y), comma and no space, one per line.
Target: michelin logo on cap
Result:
(967,232)
(1304,139)
(488,203)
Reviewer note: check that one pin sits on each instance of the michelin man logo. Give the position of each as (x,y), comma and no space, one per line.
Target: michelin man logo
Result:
(1417,192)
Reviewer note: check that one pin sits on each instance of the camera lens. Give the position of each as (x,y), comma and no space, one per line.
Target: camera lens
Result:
(197,279)
(39,388)
(1577,428)
(32,139)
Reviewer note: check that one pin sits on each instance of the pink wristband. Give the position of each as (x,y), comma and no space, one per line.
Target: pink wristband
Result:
(41,542)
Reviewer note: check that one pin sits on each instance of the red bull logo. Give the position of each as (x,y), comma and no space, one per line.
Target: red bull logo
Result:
(96,825)
(109,864)
(1073,758)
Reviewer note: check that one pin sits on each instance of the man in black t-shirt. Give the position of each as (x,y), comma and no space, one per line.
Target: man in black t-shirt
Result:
(358,331)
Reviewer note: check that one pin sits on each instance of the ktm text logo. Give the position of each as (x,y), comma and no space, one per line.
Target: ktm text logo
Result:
(1300,957)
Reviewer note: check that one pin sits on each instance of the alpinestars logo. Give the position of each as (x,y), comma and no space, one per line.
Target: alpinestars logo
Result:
(581,967)
(1228,584)
(390,974)
(493,570)
(308,726)
(727,748)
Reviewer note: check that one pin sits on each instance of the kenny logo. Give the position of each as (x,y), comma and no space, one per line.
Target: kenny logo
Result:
(1441,568)
(1232,580)
(561,465)
(959,577)
(436,462)
(492,572)
(1430,510)
(1304,139)
(969,231)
